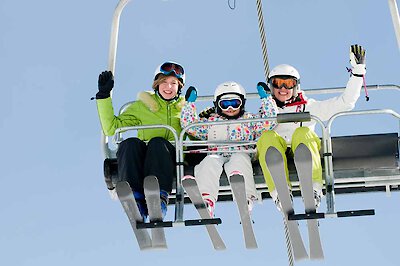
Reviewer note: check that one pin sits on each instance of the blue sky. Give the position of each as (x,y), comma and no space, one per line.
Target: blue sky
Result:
(55,208)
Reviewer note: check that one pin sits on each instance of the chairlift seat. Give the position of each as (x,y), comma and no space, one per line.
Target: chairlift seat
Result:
(360,163)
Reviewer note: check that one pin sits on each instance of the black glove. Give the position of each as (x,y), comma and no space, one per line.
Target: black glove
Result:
(105,84)
(191,94)
(359,55)
(206,113)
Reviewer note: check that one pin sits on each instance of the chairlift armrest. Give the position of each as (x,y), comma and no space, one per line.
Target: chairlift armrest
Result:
(293,117)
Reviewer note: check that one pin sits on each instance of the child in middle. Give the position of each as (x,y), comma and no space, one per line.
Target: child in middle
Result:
(229,103)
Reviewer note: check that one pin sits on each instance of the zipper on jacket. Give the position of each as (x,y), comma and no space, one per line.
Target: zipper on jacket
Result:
(168,121)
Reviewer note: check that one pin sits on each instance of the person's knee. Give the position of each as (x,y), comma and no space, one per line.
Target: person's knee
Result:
(267,135)
(304,135)
(156,142)
(265,139)
(130,142)
(301,132)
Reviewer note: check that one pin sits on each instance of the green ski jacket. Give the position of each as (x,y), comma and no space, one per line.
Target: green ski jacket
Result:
(149,109)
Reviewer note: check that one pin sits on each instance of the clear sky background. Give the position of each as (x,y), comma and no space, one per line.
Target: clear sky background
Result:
(54,205)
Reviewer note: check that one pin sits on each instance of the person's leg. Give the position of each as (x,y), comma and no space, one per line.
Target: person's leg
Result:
(207,174)
(241,163)
(272,139)
(160,161)
(268,139)
(130,157)
(309,138)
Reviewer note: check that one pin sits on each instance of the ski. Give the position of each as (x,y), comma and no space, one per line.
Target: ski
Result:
(303,162)
(239,193)
(191,188)
(128,202)
(276,167)
(152,194)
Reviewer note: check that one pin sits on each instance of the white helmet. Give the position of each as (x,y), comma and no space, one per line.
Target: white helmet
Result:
(229,87)
(284,70)
(170,67)
(229,90)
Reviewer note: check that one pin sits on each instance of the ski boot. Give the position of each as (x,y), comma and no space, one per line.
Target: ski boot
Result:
(250,204)
(142,206)
(317,188)
(210,204)
(164,202)
(275,198)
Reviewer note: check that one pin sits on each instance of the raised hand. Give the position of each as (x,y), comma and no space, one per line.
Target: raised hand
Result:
(191,94)
(357,55)
(105,84)
(357,59)
(263,90)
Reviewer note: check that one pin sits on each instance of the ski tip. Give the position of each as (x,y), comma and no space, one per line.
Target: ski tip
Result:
(188,180)
(273,156)
(159,247)
(146,248)
(317,257)
(123,190)
(236,177)
(188,177)
(220,248)
(151,182)
(251,243)
(302,149)
(150,178)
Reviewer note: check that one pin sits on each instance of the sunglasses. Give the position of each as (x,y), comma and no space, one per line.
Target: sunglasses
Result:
(167,68)
(233,103)
(287,82)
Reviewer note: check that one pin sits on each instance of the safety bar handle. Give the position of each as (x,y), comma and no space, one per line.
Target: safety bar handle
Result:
(293,117)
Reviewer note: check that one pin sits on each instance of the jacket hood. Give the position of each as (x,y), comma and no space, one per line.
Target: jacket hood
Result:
(154,102)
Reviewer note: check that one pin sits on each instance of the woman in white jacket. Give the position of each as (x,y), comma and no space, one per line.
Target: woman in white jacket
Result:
(284,84)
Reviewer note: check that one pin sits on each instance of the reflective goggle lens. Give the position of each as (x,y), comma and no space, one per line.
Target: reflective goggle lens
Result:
(233,103)
(288,83)
(167,68)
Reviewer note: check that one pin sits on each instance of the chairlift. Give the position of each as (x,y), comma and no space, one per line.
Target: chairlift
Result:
(351,164)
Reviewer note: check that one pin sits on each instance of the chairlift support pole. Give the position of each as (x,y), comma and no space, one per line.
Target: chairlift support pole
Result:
(395,18)
(112,54)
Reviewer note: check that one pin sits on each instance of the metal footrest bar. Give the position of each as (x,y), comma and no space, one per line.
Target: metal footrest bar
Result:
(340,214)
(172,224)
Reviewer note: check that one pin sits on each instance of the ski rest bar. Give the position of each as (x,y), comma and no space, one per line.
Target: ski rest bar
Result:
(293,117)
(174,224)
(154,224)
(340,214)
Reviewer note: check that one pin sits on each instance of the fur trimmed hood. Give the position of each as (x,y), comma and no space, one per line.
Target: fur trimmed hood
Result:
(154,102)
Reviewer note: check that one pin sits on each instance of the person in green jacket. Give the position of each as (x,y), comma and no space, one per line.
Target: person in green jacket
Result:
(150,153)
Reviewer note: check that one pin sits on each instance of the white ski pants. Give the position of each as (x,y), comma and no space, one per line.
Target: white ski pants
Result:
(209,170)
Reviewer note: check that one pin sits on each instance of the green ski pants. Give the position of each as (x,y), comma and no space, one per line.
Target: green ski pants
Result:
(301,135)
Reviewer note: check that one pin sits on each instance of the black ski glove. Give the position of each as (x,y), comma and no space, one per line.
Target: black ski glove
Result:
(359,54)
(206,113)
(105,84)
(357,60)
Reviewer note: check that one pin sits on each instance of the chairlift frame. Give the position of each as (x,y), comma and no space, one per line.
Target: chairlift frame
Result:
(390,181)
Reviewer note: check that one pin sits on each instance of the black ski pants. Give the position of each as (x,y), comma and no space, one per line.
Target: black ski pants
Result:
(136,160)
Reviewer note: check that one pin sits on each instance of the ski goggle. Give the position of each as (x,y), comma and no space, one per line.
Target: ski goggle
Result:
(167,68)
(235,104)
(280,82)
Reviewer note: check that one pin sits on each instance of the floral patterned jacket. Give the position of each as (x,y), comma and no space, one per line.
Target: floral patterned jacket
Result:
(249,131)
